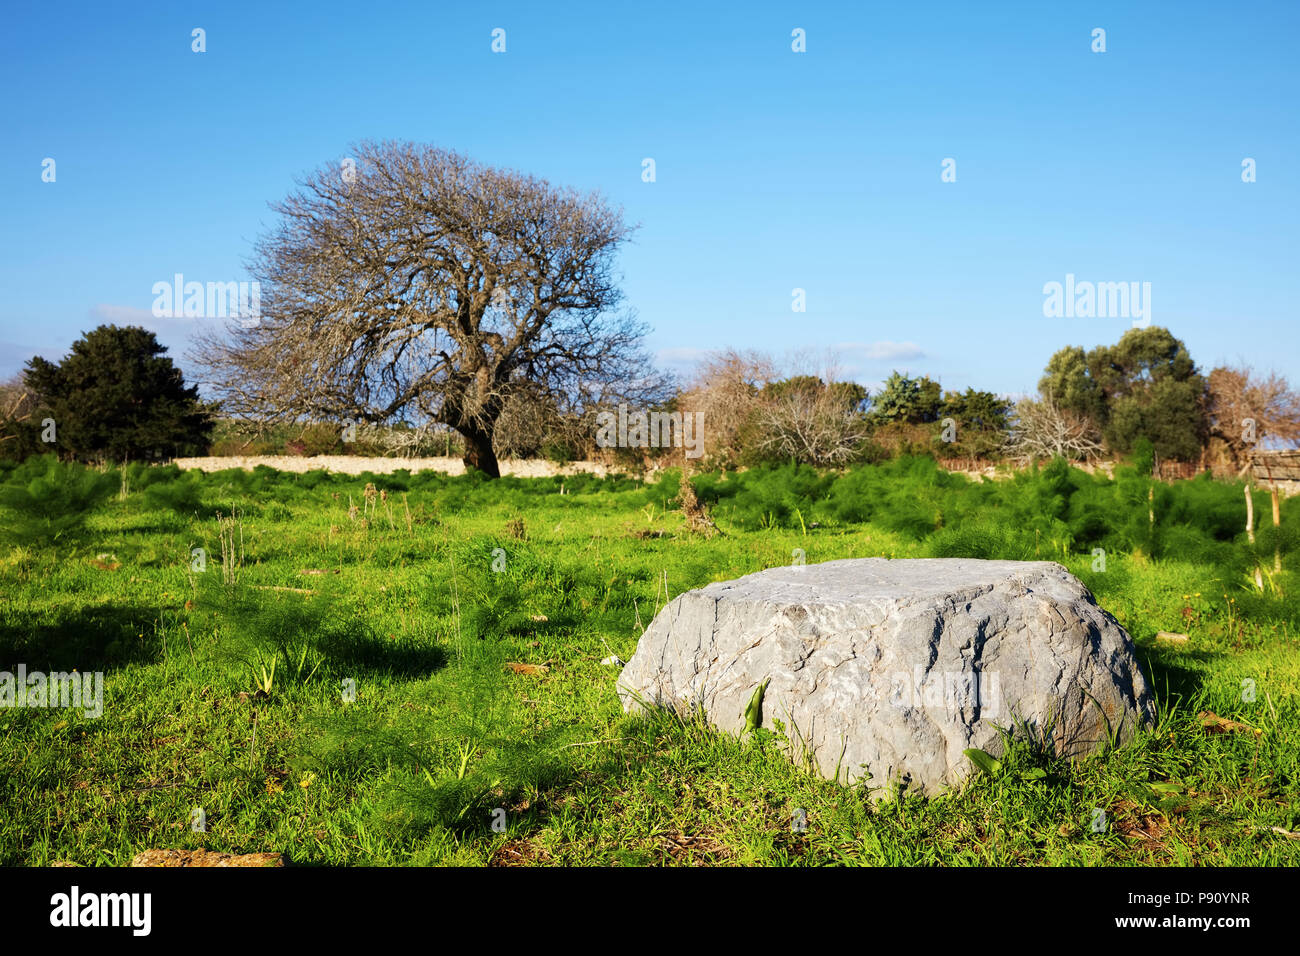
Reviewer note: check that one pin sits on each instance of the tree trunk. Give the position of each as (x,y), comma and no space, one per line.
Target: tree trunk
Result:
(479,453)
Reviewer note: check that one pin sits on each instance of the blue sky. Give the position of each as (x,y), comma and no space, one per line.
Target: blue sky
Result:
(775,170)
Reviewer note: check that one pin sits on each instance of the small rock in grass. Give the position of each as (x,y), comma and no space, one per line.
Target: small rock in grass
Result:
(532,669)
(1212,723)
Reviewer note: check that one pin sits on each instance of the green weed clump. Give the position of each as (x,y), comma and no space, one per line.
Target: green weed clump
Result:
(45,501)
(1046,512)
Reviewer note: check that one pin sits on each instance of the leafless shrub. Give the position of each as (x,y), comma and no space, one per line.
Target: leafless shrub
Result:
(724,389)
(1041,429)
(811,424)
(1246,409)
(16,405)
(757,408)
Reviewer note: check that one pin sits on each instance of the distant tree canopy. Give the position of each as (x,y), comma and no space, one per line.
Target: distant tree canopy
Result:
(850,396)
(116,396)
(903,403)
(982,420)
(418,283)
(976,409)
(905,400)
(1145,386)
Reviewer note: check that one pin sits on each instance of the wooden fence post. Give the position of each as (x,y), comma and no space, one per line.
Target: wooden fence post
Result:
(1277,516)
(1250,533)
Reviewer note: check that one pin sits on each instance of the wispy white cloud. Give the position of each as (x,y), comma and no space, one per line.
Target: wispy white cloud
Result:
(884,351)
(680,356)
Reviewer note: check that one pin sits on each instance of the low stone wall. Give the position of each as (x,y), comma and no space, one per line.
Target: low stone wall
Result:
(355,465)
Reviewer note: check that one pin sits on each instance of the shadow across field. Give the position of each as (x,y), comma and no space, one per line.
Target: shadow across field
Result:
(369,655)
(248,624)
(87,639)
(1171,680)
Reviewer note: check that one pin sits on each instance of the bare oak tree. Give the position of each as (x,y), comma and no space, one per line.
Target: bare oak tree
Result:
(413,282)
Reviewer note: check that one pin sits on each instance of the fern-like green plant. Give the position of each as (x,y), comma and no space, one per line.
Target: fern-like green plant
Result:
(45,501)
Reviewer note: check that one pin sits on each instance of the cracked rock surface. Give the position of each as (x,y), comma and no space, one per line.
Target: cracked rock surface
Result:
(889,669)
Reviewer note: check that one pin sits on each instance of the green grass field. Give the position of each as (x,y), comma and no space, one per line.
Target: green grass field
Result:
(415,602)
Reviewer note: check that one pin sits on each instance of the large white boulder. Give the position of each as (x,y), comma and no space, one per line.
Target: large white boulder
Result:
(890,669)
